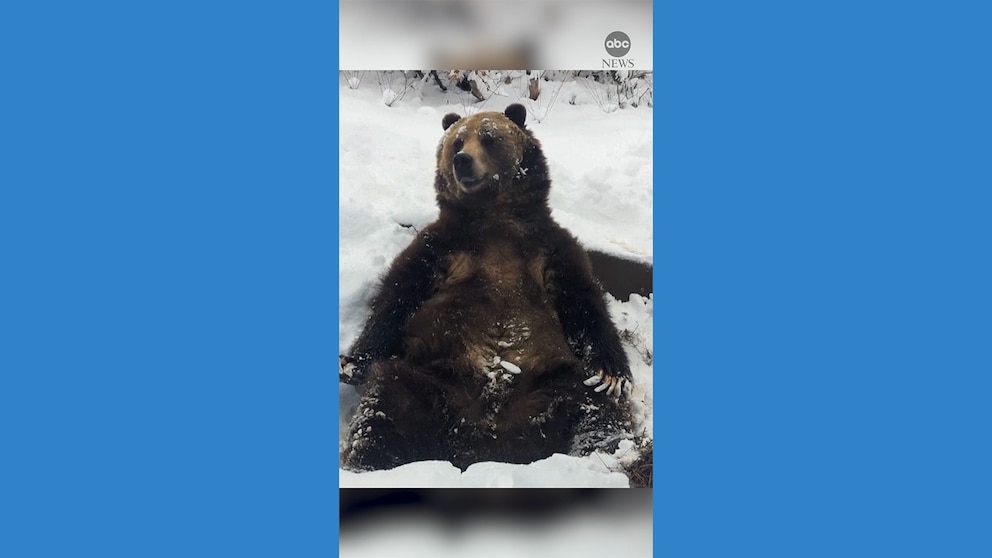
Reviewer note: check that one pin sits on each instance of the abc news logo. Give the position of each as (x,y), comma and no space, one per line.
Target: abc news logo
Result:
(617,45)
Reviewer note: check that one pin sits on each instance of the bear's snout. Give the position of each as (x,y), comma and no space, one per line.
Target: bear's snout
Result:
(463,165)
(469,180)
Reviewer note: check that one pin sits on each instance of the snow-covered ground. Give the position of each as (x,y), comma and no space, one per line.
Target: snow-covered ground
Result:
(600,163)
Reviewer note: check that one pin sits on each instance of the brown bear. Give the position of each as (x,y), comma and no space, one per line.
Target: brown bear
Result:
(489,338)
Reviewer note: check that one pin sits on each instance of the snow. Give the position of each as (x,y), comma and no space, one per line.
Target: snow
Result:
(557,471)
(600,164)
(510,367)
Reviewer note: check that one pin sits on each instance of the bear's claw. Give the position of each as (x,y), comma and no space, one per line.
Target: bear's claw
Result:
(613,385)
(346,368)
(592,380)
(351,370)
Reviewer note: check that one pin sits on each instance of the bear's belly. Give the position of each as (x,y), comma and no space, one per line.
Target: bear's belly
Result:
(487,331)
(501,363)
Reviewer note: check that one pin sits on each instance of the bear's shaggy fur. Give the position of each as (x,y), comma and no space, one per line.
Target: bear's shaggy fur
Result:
(489,339)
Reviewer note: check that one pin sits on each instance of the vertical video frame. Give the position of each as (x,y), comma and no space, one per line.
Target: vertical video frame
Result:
(495,264)
(496,310)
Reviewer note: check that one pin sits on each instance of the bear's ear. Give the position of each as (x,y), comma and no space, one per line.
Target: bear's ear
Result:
(517,113)
(449,119)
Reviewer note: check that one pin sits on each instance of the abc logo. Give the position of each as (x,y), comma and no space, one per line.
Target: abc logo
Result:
(617,43)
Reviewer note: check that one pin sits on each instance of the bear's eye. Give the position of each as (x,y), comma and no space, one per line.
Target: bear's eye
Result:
(458,145)
(487,140)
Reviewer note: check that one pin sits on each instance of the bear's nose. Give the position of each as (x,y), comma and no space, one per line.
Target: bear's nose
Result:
(463,163)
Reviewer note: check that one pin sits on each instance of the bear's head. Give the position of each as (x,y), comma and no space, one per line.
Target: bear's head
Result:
(489,159)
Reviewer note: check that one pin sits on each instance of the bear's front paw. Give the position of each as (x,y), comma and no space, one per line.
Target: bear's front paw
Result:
(614,384)
(351,370)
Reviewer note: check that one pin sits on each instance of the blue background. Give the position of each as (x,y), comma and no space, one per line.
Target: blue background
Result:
(170,279)
(168,222)
(823,317)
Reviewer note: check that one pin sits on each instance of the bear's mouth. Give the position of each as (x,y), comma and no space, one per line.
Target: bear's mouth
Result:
(471,184)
